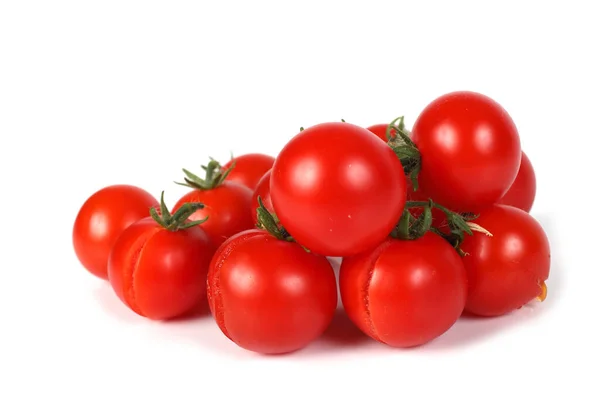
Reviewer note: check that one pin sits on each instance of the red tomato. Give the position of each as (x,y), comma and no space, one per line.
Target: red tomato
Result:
(404,293)
(522,192)
(338,189)
(249,168)
(263,189)
(269,295)
(470,151)
(380,130)
(102,218)
(508,269)
(160,273)
(226,204)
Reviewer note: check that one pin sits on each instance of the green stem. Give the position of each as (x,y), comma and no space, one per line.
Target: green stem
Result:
(214,176)
(179,220)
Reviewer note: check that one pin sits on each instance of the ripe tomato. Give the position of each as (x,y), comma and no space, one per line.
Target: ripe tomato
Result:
(522,192)
(226,204)
(269,295)
(159,269)
(102,218)
(380,130)
(404,293)
(508,269)
(338,189)
(249,168)
(470,151)
(263,190)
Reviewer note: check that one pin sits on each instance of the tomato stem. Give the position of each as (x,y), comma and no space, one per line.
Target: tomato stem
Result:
(411,228)
(214,176)
(405,149)
(179,220)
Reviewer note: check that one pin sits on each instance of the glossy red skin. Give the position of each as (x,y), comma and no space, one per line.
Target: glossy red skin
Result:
(404,293)
(227,207)
(157,273)
(249,168)
(102,218)
(270,296)
(522,192)
(380,130)
(263,189)
(470,150)
(338,189)
(506,270)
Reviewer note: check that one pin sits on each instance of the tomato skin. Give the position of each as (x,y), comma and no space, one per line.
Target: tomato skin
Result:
(160,274)
(507,270)
(380,130)
(249,168)
(338,189)
(522,192)
(470,150)
(404,293)
(263,189)
(270,296)
(102,218)
(227,207)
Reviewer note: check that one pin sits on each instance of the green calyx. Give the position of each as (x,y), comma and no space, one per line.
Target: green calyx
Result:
(270,223)
(411,228)
(178,220)
(405,149)
(214,176)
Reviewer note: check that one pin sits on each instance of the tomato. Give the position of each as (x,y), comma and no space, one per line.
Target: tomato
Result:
(102,218)
(226,204)
(263,189)
(380,130)
(522,192)
(249,168)
(269,295)
(470,151)
(338,189)
(404,293)
(508,269)
(160,272)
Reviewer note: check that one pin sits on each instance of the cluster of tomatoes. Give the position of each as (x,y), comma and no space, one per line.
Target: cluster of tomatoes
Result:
(429,223)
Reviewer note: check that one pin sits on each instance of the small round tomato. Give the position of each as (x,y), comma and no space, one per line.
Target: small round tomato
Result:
(470,151)
(522,192)
(226,204)
(268,295)
(102,218)
(509,269)
(404,293)
(380,130)
(263,190)
(158,265)
(338,189)
(249,168)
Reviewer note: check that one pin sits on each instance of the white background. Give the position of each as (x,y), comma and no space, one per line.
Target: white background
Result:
(94,93)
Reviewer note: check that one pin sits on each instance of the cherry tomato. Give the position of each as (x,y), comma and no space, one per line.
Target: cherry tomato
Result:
(522,192)
(226,204)
(269,295)
(404,293)
(470,151)
(380,130)
(102,218)
(249,168)
(263,189)
(338,189)
(509,269)
(159,272)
